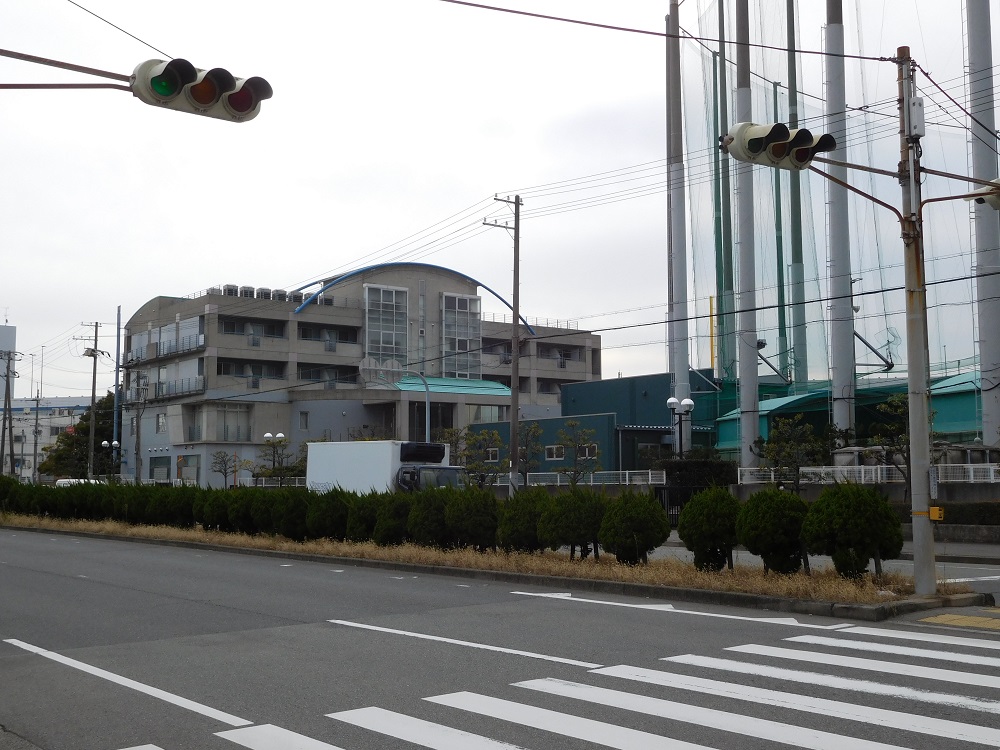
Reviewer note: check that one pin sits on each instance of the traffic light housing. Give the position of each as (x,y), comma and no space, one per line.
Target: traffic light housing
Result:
(775,145)
(988,195)
(178,85)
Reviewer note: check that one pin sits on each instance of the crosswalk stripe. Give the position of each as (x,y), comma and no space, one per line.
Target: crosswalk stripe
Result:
(837,709)
(774,731)
(270,737)
(418,731)
(915,635)
(839,683)
(872,665)
(882,648)
(144,747)
(598,732)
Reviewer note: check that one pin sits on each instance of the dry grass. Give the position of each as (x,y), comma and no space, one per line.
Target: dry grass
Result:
(822,585)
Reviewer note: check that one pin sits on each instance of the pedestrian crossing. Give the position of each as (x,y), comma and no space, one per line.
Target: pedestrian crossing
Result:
(869,689)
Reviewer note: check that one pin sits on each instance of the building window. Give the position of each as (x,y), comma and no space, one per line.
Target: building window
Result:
(479,413)
(161,422)
(461,333)
(492,455)
(232,326)
(555,453)
(131,426)
(303,420)
(232,422)
(587,451)
(386,323)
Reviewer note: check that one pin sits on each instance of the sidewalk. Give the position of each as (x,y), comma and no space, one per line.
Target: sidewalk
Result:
(946,552)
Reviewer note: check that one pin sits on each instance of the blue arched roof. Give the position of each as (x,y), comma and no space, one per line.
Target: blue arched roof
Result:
(357,272)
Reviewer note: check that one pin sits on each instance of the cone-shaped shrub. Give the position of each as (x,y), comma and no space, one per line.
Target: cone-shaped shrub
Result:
(770,525)
(634,524)
(707,526)
(517,521)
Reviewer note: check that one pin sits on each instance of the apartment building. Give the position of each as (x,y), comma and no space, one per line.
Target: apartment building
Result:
(37,424)
(359,355)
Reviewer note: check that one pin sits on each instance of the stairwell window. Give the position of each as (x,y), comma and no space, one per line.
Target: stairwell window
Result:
(161,422)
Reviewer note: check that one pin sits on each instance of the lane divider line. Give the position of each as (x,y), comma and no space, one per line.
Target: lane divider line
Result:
(468,644)
(140,687)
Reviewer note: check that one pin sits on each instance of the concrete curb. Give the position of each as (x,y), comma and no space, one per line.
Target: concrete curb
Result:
(864,612)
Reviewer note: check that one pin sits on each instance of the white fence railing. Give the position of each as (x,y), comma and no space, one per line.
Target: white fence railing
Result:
(946,473)
(558,478)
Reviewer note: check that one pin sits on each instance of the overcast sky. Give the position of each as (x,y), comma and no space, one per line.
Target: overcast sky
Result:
(393,124)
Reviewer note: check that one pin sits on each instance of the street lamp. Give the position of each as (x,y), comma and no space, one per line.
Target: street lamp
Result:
(680,410)
(268,438)
(114,445)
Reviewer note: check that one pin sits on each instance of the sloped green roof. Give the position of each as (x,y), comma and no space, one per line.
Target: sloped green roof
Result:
(455,385)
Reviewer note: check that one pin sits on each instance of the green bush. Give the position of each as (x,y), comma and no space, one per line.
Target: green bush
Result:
(390,522)
(326,516)
(707,526)
(426,522)
(770,525)
(471,515)
(634,524)
(971,514)
(853,524)
(362,514)
(289,506)
(572,518)
(517,519)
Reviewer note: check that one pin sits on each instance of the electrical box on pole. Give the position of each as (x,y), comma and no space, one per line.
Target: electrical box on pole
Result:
(178,85)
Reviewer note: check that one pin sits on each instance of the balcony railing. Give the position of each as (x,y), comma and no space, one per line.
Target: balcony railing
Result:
(636,478)
(180,387)
(880,474)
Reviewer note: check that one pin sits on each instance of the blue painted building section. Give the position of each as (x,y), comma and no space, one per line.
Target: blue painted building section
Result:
(604,432)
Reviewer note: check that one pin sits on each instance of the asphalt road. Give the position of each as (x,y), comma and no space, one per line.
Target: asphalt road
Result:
(108,645)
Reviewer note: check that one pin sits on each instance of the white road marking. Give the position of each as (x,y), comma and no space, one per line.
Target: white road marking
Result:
(809,704)
(336,571)
(270,737)
(144,747)
(470,644)
(917,635)
(971,580)
(418,731)
(839,683)
(567,725)
(765,729)
(882,648)
(873,665)
(790,621)
(285,565)
(163,695)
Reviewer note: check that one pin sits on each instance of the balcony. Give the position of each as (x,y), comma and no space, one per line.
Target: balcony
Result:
(182,387)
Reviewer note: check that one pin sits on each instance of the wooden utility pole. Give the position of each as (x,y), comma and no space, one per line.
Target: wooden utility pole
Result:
(515,337)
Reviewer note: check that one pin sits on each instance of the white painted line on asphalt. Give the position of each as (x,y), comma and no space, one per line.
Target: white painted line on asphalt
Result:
(589,730)
(790,621)
(285,565)
(418,731)
(163,695)
(765,729)
(470,644)
(839,683)
(882,648)
(916,635)
(809,704)
(873,665)
(270,737)
(144,747)
(971,580)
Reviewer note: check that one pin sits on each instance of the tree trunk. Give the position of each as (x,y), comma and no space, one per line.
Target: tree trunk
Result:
(805,560)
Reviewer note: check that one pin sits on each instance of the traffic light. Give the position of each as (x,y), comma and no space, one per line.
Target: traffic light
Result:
(774,145)
(988,195)
(178,85)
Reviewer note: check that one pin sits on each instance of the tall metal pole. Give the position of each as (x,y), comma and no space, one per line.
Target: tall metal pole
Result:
(93,410)
(924,575)
(779,247)
(841,310)
(515,350)
(727,300)
(987,219)
(116,418)
(796,270)
(747,315)
(676,216)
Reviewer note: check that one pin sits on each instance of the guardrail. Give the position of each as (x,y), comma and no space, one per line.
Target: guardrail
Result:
(946,473)
(559,479)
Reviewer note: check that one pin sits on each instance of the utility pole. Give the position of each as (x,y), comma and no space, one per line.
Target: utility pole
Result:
(92,352)
(515,337)
(911,128)
(7,429)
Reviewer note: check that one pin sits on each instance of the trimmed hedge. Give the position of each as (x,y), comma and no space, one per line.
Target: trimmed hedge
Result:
(770,525)
(707,526)
(634,525)
(517,520)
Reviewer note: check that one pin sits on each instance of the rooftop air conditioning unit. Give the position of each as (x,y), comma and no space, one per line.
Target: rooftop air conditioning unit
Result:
(215,290)
(231,290)
(263,293)
(279,295)
(247,291)
(296,297)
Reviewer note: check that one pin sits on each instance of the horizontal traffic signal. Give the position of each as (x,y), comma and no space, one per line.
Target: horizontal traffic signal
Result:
(987,195)
(775,145)
(178,85)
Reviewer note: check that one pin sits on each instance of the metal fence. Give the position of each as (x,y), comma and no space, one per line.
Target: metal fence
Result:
(597,478)
(946,473)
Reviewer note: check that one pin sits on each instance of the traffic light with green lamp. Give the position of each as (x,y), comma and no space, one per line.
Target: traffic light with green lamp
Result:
(178,85)
(774,145)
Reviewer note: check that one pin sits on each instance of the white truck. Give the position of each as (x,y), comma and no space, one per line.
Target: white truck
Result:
(380,465)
